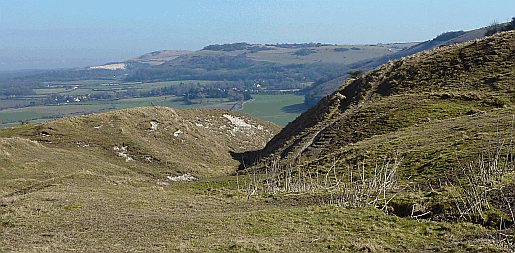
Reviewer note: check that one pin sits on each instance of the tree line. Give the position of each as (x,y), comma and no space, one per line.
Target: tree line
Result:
(495,27)
(237,69)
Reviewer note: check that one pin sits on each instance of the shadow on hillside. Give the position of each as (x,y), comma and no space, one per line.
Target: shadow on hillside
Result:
(296,108)
(246,159)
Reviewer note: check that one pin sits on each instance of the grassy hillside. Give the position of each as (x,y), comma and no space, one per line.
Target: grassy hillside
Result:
(307,53)
(150,143)
(416,155)
(159,57)
(280,66)
(440,122)
(85,213)
(446,83)
(118,181)
(321,89)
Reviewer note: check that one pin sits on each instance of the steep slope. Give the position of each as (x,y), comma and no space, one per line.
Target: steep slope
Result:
(149,144)
(429,88)
(445,39)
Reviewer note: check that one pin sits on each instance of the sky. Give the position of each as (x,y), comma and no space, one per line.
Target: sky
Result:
(49,34)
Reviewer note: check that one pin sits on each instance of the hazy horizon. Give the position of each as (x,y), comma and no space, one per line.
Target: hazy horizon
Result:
(59,34)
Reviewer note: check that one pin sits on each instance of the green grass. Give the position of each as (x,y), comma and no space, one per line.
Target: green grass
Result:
(49,91)
(63,187)
(16,116)
(266,107)
(210,215)
(66,189)
(441,112)
(443,84)
(279,109)
(173,147)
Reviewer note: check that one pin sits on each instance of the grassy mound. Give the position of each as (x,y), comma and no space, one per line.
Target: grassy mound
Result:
(428,136)
(153,143)
(430,89)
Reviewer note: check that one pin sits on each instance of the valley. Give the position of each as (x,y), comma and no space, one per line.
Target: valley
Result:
(220,150)
(224,76)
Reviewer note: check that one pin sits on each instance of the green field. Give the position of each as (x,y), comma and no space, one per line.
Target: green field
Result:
(9,119)
(49,91)
(279,109)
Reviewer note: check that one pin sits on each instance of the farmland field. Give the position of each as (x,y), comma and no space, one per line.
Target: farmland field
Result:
(279,109)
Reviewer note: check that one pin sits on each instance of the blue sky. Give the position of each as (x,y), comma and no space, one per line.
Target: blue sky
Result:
(66,34)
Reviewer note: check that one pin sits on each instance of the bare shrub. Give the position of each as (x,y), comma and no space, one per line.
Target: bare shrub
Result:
(474,181)
(352,189)
(471,185)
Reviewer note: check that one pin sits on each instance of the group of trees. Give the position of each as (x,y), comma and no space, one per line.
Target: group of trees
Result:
(200,92)
(239,69)
(237,46)
(304,52)
(299,45)
(495,27)
(9,87)
(72,75)
(187,92)
(256,48)
(22,85)
(190,91)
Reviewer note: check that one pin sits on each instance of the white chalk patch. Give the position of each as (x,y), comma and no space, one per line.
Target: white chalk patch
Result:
(123,153)
(186,177)
(240,124)
(126,156)
(237,121)
(117,148)
(153,125)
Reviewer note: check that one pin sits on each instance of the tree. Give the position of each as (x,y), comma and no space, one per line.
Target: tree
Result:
(494,28)
(510,26)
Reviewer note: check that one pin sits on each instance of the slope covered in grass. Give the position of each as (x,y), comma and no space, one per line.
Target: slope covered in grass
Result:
(108,182)
(209,216)
(431,88)
(321,89)
(69,185)
(151,143)
(428,137)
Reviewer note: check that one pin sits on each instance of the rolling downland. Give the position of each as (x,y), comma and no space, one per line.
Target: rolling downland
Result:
(464,92)
(157,179)
(147,143)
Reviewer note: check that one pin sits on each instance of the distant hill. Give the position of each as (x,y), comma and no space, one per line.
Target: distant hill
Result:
(331,83)
(150,59)
(159,57)
(150,143)
(431,108)
(307,53)
(275,67)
